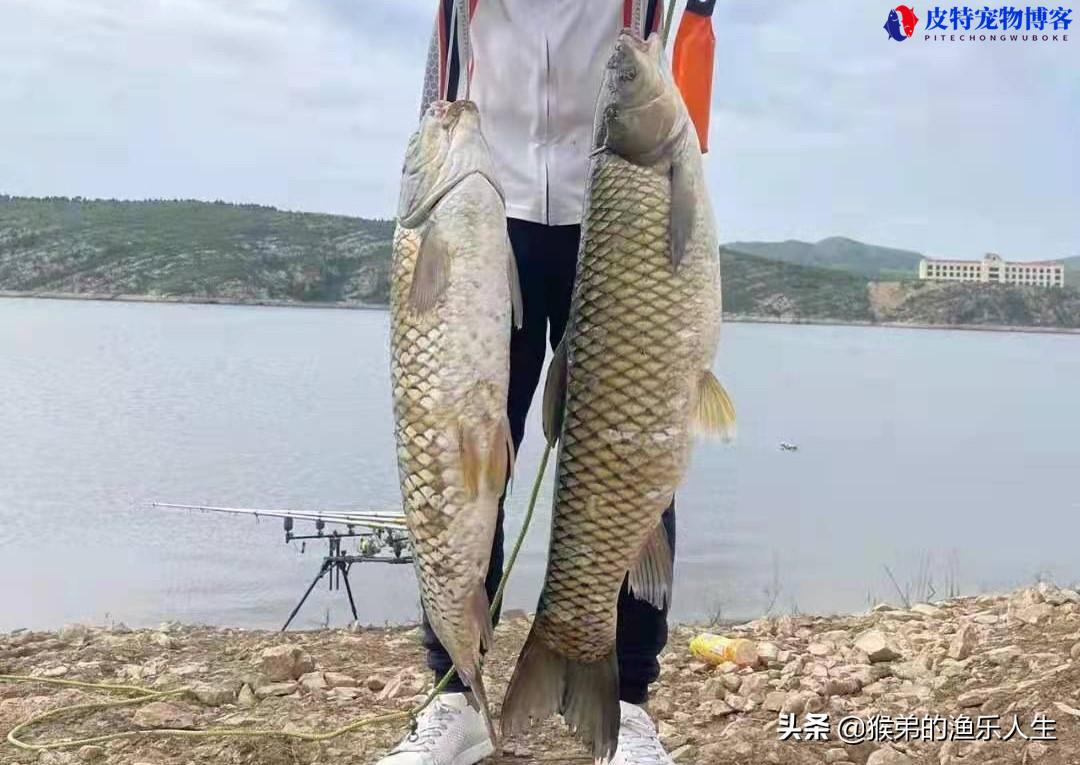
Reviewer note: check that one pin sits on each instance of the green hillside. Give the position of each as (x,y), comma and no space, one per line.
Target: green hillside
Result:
(193,249)
(1072,271)
(841,253)
(755,286)
(248,253)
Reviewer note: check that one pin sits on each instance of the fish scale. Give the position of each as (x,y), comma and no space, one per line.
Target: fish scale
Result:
(625,434)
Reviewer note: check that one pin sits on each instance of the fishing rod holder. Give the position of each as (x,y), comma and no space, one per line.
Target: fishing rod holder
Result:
(375,546)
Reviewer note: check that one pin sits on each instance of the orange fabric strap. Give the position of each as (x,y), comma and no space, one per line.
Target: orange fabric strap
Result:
(692,64)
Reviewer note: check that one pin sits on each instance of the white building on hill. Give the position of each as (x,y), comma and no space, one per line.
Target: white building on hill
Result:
(994,269)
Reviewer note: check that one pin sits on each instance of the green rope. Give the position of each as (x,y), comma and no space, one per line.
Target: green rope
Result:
(144,695)
(667,21)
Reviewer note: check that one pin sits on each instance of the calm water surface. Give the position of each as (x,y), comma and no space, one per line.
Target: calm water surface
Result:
(948,456)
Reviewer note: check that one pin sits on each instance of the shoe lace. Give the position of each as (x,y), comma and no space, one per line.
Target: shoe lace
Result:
(430,727)
(638,739)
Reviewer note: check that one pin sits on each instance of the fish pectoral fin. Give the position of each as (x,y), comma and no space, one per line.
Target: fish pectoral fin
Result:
(650,578)
(517,305)
(714,413)
(431,274)
(555,393)
(684,204)
(585,693)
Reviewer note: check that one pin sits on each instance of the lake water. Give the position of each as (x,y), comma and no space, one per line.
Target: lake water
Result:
(948,457)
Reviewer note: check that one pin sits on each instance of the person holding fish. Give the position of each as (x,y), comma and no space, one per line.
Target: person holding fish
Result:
(490,228)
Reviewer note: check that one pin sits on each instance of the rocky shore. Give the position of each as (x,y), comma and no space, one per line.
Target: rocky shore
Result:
(1009,664)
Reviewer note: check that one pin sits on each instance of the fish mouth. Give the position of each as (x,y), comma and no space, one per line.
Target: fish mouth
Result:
(629,48)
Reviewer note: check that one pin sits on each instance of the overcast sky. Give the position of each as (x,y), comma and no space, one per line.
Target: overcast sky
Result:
(821,124)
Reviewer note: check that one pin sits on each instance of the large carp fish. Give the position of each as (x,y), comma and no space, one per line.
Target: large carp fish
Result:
(454,292)
(629,384)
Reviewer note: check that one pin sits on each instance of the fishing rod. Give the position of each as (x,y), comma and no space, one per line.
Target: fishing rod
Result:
(370,519)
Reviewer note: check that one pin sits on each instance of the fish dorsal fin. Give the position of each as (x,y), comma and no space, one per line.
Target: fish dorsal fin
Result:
(650,578)
(555,393)
(714,413)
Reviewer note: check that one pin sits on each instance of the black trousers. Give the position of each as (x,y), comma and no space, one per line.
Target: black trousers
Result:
(547,261)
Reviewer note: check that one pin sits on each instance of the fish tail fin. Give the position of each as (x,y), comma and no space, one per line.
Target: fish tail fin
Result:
(470,670)
(714,413)
(585,693)
(479,701)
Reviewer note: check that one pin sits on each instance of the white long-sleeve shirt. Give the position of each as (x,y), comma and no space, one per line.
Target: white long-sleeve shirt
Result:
(537,67)
(537,70)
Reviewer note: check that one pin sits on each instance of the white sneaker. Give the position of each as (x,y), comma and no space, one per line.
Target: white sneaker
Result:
(638,743)
(448,732)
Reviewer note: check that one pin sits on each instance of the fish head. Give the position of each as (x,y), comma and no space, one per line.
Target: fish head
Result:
(643,111)
(435,150)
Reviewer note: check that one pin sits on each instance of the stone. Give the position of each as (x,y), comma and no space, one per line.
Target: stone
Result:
(877,646)
(739,703)
(1003,656)
(58,671)
(796,703)
(882,608)
(836,755)
(246,699)
(889,756)
(340,680)
(215,695)
(91,753)
(755,687)
(663,708)
(731,683)
(774,701)
(1036,750)
(670,736)
(928,610)
(974,698)
(1074,652)
(713,688)
(986,618)
(841,686)
(963,643)
(820,649)
(768,653)
(402,685)
(285,662)
(314,681)
(375,683)
(276,689)
(161,714)
(164,641)
(1033,614)
(685,753)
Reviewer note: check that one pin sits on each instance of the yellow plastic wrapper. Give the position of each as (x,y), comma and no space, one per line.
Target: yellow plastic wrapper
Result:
(717,649)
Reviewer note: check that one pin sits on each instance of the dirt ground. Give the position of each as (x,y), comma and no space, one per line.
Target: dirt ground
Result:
(1015,655)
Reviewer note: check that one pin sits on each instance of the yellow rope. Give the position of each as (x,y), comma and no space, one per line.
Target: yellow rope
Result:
(144,695)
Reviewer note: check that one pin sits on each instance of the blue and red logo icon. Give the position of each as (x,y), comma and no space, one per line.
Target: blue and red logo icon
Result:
(901,23)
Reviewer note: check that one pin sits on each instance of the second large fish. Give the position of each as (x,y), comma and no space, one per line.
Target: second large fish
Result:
(453,291)
(629,381)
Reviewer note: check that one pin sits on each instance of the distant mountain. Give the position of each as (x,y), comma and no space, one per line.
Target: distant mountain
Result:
(759,287)
(247,253)
(191,249)
(840,253)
